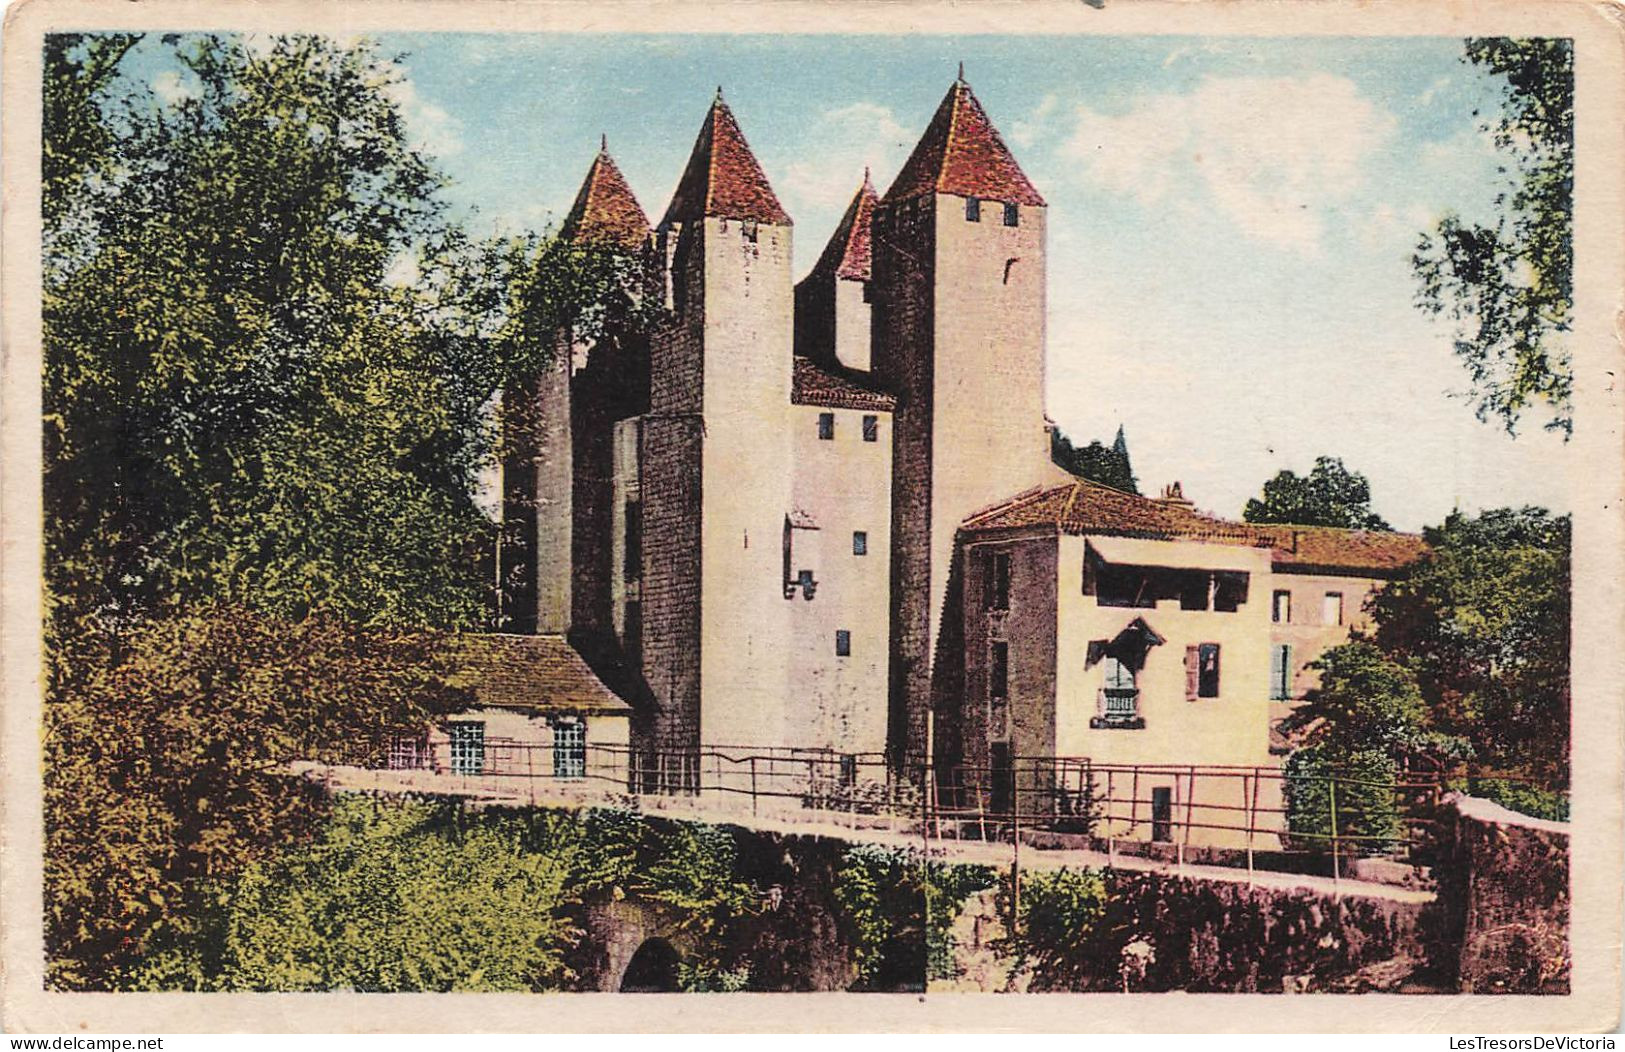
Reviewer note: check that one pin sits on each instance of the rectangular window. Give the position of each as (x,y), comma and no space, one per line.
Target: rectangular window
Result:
(1331,609)
(996,582)
(860,543)
(1207,685)
(634,540)
(409,754)
(1281,672)
(849,769)
(1012,215)
(826,426)
(1281,610)
(998,671)
(749,229)
(569,748)
(843,643)
(973,210)
(467,747)
(871,429)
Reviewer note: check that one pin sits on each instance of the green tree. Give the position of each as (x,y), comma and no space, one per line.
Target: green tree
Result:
(1483,621)
(1507,285)
(1330,495)
(1097,462)
(165,746)
(1367,702)
(1349,793)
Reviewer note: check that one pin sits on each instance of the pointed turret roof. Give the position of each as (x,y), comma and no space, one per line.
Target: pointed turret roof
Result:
(606,210)
(847,254)
(962,153)
(723,178)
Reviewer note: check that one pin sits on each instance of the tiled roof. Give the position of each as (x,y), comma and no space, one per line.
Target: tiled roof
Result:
(1088,507)
(723,178)
(540,673)
(821,384)
(605,211)
(847,254)
(962,153)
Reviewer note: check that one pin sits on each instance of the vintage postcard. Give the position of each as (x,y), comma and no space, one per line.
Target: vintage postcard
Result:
(951,516)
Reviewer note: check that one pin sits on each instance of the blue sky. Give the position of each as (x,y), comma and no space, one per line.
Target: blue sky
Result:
(1230,219)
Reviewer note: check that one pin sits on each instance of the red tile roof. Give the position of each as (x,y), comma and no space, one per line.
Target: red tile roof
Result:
(962,153)
(605,211)
(1088,507)
(847,254)
(537,673)
(821,384)
(723,178)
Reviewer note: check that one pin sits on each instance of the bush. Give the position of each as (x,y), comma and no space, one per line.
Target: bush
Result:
(1368,810)
(890,897)
(1061,930)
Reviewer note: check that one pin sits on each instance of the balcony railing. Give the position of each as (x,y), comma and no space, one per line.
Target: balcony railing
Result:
(1118,707)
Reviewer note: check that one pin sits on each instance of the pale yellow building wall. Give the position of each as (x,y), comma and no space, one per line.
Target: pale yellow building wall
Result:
(852,331)
(745,487)
(607,738)
(988,428)
(1231,729)
(1308,632)
(843,485)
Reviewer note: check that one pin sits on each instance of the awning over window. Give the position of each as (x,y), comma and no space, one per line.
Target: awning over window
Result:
(1130,646)
(1181,555)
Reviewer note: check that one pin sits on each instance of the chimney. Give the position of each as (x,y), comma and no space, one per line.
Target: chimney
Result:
(1174,494)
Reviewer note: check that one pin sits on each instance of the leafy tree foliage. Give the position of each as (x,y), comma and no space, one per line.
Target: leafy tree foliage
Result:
(1367,702)
(269,366)
(1508,285)
(1330,495)
(890,896)
(162,748)
(1107,465)
(1063,930)
(1483,622)
(1349,793)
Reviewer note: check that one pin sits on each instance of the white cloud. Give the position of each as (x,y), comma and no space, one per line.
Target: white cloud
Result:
(1028,131)
(434,130)
(169,87)
(1271,153)
(840,144)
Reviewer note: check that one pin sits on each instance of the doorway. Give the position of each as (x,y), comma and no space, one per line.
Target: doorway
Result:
(1162,814)
(652,969)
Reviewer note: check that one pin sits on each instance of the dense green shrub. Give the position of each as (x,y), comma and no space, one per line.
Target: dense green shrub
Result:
(1367,809)
(1061,928)
(890,897)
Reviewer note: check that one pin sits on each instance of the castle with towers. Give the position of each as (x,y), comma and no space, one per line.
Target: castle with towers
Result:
(811,514)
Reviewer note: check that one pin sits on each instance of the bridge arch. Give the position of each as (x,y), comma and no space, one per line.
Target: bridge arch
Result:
(652,969)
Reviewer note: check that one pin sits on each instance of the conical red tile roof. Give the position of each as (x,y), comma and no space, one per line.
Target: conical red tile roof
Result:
(847,254)
(723,178)
(962,153)
(605,210)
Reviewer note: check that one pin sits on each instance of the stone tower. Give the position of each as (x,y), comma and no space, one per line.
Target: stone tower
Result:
(833,324)
(558,428)
(959,275)
(715,464)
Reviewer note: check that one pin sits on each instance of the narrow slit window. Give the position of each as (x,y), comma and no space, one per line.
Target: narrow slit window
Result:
(1281,610)
(996,582)
(1331,611)
(843,643)
(973,210)
(998,671)
(871,429)
(826,426)
(1207,670)
(860,542)
(1012,215)
(1281,672)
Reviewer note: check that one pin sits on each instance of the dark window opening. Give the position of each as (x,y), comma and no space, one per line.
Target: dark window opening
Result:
(998,671)
(632,633)
(868,292)
(1207,670)
(1281,608)
(1162,814)
(996,581)
(860,543)
(1012,215)
(634,540)
(749,228)
(826,426)
(871,429)
(1229,592)
(849,769)
(843,643)
(973,209)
